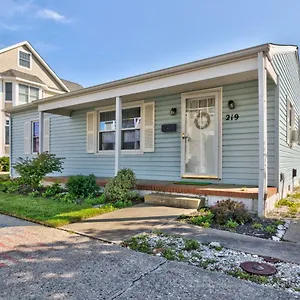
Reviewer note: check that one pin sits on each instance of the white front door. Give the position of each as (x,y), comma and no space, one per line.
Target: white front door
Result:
(201,134)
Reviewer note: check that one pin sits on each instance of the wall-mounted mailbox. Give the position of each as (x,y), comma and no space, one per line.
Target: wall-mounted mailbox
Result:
(294,173)
(169,127)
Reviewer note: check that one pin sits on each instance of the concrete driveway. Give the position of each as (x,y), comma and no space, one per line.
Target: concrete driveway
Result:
(37,262)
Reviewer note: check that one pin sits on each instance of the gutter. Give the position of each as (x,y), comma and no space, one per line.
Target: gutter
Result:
(216,60)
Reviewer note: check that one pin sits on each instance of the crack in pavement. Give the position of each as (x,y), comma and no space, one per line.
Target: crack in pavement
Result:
(136,280)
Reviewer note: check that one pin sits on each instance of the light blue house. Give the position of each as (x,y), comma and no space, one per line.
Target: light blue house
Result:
(228,120)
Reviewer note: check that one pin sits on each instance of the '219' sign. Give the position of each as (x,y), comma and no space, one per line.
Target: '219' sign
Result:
(232,117)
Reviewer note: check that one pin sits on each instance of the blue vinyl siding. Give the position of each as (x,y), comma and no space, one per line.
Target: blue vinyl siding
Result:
(239,146)
(287,67)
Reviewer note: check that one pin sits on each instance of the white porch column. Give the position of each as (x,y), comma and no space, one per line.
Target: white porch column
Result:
(41,131)
(118,134)
(263,151)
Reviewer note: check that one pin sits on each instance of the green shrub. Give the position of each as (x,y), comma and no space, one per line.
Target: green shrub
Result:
(257,226)
(123,204)
(4,177)
(95,200)
(81,186)
(226,210)
(120,187)
(52,190)
(33,171)
(4,164)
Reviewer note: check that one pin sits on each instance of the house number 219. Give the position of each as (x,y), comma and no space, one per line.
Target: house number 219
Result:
(232,117)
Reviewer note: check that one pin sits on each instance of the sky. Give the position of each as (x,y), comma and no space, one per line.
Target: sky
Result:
(96,41)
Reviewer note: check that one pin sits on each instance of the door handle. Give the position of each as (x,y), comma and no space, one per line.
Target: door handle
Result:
(184,137)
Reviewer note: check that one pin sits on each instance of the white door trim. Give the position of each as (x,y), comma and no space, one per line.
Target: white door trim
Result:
(217,92)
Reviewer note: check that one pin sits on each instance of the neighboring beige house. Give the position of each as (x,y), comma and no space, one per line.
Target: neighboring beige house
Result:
(25,77)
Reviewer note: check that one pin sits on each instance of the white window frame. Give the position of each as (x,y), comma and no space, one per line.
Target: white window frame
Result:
(7,125)
(12,92)
(113,108)
(30,59)
(28,92)
(290,122)
(31,136)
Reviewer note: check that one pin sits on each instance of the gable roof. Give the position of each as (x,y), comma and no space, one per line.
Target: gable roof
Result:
(72,86)
(40,59)
(22,75)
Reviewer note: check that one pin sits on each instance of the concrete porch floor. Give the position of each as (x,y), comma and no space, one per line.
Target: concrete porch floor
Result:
(223,190)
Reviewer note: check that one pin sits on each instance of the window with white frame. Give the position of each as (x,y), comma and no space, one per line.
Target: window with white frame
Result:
(6,137)
(290,123)
(24,59)
(131,126)
(27,94)
(8,91)
(35,140)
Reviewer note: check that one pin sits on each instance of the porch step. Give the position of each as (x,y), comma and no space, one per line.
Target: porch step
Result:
(174,200)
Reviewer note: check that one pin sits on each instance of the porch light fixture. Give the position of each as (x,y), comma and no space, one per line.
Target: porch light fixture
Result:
(231,104)
(173,111)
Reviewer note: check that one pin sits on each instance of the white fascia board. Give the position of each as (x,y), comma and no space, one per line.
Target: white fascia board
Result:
(225,69)
(270,69)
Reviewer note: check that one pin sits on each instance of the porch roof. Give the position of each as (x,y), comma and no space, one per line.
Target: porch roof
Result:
(235,66)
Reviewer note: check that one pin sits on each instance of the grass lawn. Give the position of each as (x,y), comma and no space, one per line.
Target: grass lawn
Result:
(46,211)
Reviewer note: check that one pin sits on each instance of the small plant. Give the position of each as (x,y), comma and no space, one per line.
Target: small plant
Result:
(191,245)
(33,171)
(81,186)
(123,204)
(181,256)
(169,254)
(34,194)
(232,224)
(203,218)
(205,263)
(159,244)
(4,164)
(95,200)
(139,243)
(120,187)
(246,276)
(270,229)
(229,209)
(257,226)
(52,190)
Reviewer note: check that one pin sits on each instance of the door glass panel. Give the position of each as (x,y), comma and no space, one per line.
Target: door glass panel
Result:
(201,155)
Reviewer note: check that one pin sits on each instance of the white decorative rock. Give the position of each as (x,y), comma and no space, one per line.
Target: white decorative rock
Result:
(275,238)
(280,227)
(214,245)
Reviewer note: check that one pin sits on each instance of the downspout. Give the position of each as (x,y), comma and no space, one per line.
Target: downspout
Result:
(263,150)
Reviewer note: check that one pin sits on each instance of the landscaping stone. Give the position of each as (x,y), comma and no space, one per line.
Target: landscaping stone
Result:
(215,245)
(221,260)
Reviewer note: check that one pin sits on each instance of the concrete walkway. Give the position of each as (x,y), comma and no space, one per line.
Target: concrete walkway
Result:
(122,224)
(293,232)
(285,251)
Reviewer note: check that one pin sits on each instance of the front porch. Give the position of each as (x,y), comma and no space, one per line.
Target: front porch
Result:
(211,192)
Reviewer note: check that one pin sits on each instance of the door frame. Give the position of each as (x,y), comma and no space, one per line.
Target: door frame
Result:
(217,92)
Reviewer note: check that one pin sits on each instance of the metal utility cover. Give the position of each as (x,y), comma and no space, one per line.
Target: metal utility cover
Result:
(257,268)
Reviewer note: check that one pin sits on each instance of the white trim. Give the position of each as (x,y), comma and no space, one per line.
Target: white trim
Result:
(271,71)
(41,132)
(215,71)
(118,134)
(217,92)
(263,147)
(35,53)
(30,59)
(99,110)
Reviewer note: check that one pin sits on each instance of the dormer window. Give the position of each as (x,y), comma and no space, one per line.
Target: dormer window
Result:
(24,59)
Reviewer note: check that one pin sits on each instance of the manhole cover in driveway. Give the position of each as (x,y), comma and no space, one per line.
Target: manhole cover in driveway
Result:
(271,259)
(257,268)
